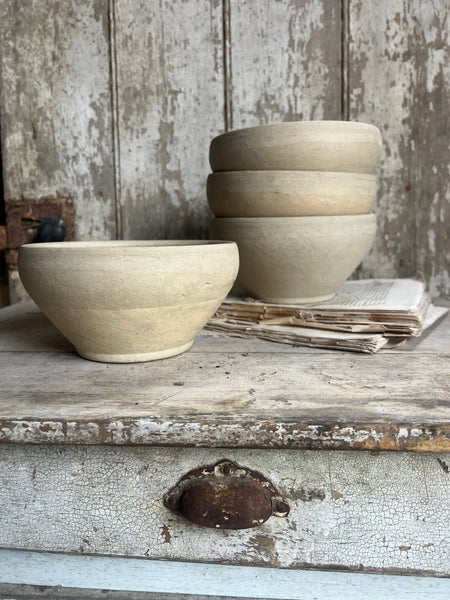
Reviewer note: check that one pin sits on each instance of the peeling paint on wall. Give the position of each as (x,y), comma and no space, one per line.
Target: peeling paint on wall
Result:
(115,103)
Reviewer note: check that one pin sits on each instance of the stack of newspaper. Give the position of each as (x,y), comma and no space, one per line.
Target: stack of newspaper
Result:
(363,316)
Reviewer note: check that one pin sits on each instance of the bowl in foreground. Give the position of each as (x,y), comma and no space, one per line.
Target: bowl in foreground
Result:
(297,260)
(299,146)
(289,193)
(129,301)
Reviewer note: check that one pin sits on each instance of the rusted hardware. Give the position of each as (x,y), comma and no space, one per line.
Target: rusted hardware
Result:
(3,238)
(226,496)
(23,218)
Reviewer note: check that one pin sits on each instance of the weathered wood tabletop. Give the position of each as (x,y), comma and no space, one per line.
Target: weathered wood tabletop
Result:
(224,392)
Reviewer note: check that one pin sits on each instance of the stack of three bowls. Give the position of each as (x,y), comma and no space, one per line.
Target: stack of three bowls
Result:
(296,199)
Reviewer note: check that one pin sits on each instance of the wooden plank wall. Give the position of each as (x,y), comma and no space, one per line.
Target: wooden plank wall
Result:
(114,102)
(56,107)
(170,103)
(398,79)
(285,61)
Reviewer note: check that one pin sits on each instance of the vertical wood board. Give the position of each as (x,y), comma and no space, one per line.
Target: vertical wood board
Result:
(55,100)
(170,104)
(398,80)
(285,61)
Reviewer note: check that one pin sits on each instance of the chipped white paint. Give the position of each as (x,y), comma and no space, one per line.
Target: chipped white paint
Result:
(56,115)
(106,573)
(165,432)
(284,61)
(349,509)
(170,105)
(174,62)
(398,63)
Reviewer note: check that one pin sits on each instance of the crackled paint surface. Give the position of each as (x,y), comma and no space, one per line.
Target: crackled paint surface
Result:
(347,509)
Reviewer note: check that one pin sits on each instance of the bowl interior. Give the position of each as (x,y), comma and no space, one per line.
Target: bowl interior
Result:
(113,244)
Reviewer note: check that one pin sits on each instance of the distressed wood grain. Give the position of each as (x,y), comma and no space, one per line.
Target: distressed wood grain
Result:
(350,510)
(56,108)
(285,61)
(239,395)
(398,76)
(170,103)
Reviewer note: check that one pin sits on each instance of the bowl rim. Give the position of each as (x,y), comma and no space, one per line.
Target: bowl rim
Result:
(79,245)
(298,125)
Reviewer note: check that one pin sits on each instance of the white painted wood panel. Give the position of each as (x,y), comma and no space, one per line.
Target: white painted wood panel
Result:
(170,104)
(348,509)
(56,108)
(189,578)
(118,100)
(399,67)
(284,61)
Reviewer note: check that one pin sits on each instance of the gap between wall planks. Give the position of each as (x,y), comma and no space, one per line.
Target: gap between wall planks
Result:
(115,117)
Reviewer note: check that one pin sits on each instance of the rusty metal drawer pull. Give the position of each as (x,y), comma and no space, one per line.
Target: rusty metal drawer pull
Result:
(226,496)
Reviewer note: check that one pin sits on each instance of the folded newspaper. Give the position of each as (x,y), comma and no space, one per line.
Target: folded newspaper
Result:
(364,316)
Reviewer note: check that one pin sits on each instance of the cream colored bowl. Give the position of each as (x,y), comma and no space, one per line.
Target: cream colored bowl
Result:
(299,146)
(297,260)
(289,193)
(129,301)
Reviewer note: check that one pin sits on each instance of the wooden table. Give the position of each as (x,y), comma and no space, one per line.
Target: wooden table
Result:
(358,444)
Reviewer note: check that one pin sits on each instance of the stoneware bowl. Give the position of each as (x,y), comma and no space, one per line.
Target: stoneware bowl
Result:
(289,193)
(299,146)
(297,260)
(129,301)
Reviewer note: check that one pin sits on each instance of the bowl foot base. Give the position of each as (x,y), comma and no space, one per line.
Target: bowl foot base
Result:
(136,357)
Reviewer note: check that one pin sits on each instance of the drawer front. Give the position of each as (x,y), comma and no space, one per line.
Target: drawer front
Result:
(347,509)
